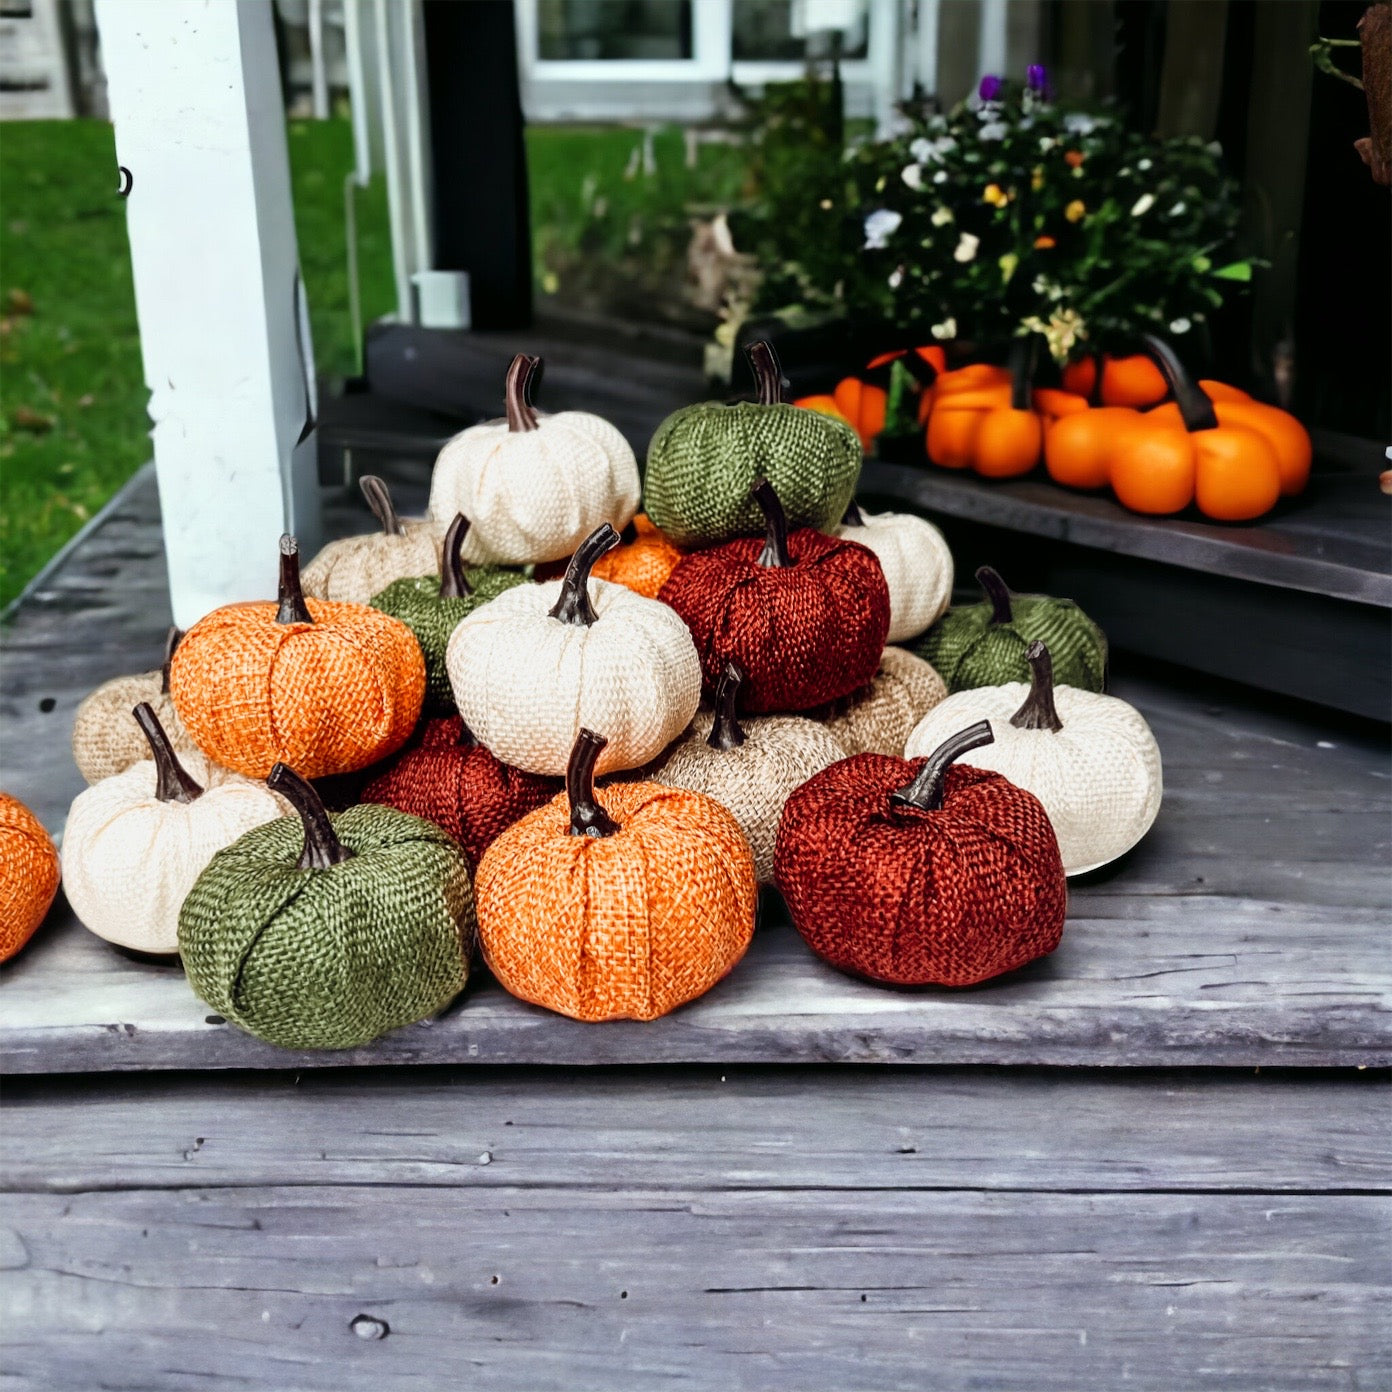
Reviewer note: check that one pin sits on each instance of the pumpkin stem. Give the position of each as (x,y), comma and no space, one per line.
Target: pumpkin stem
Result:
(1038,711)
(172,639)
(172,780)
(1195,405)
(453,584)
(293,608)
(1021,362)
(775,552)
(768,375)
(997,592)
(523,373)
(380,501)
(853,517)
(322,848)
(1099,364)
(725,730)
(587,817)
(926,791)
(573,606)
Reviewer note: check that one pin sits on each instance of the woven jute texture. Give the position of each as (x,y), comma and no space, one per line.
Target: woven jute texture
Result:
(900,895)
(432,617)
(1099,777)
(527,684)
(917,566)
(969,650)
(535,495)
(129,859)
(704,460)
(330,959)
(462,788)
(879,717)
(803,634)
(779,754)
(642,564)
(627,926)
(28,875)
(353,569)
(107,741)
(324,697)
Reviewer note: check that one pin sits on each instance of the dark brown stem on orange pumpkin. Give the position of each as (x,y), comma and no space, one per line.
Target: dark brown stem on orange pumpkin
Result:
(293,608)
(573,606)
(853,516)
(172,780)
(172,639)
(725,729)
(1021,361)
(522,375)
(768,375)
(322,848)
(1038,711)
(587,817)
(997,592)
(1195,407)
(775,552)
(926,791)
(1099,364)
(380,501)
(453,585)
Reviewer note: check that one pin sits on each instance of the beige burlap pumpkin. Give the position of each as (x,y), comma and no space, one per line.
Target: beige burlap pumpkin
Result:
(879,717)
(137,841)
(917,566)
(750,766)
(533,667)
(1090,759)
(355,568)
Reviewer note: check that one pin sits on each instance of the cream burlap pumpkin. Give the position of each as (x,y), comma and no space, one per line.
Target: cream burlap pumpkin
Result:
(536,665)
(137,841)
(355,568)
(916,562)
(751,767)
(878,718)
(533,485)
(1090,759)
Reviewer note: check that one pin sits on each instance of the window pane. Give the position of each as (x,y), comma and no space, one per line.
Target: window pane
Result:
(778,30)
(587,29)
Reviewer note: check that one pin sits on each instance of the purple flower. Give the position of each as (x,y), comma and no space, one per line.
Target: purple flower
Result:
(1037,78)
(989,89)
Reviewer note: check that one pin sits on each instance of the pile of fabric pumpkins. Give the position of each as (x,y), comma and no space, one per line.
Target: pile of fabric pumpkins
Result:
(1139,425)
(590,776)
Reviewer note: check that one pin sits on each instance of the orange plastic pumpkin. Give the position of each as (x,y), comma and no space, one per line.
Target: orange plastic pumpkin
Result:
(644,560)
(991,428)
(29,874)
(860,404)
(322,686)
(1130,381)
(1078,447)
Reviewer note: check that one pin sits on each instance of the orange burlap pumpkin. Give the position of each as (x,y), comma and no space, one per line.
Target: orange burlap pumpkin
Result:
(321,686)
(643,562)
(29,874)
(620,911)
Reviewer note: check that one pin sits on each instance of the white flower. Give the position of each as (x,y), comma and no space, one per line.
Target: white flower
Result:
(1046,143)
(913,176)
(942,215)
(947,329)
(1080,123)
(1178,208)
(1143,204)
(1142,164)
(1179,326)
(932,151)
(896,278)
(940,177)
(880,226)
(966,248)
(993,130)
(1062,333)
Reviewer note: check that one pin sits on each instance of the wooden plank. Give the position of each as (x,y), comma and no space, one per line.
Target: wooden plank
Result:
(539,1288)
(704,1128)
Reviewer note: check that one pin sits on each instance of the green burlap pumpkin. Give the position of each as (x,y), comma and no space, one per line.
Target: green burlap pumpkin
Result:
(323,932)
(984,644)
(704,460)
(432,605)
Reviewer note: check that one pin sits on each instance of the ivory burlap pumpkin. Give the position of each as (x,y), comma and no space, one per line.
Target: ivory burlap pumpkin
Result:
(533,667)
(749,767)
(534,485)
(325,931)
(878,718)
(333,686)
(28,875)
(137,841)
(353,569)
(106,740)
(704,460)
(1090,759)
(623,910)
(917,566)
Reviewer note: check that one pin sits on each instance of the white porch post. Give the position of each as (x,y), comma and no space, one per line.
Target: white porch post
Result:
(196,101)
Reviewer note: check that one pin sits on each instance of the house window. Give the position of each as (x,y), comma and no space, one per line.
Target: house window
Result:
(608,30)
(777,31)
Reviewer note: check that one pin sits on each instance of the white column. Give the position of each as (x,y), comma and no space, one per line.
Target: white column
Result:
(196,102)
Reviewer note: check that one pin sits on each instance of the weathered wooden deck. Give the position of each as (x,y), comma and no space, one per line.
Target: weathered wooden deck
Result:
(1194,1194)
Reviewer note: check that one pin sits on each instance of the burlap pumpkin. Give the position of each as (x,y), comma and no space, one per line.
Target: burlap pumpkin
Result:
(917,566)
(879,717)
(28,875)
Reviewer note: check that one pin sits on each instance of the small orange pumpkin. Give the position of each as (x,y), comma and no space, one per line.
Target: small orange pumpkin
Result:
(1130,381)
(644,560)
(1078,447)
(322,686)
(860,404)
(29,874)
(991,428)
